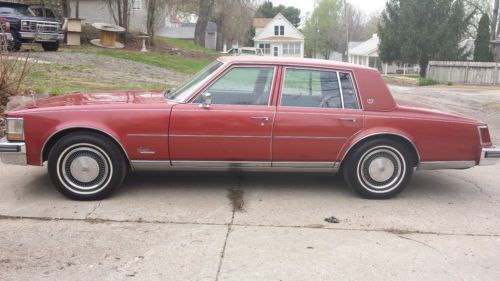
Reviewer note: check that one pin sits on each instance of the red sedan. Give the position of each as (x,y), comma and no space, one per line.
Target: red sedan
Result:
(246,114)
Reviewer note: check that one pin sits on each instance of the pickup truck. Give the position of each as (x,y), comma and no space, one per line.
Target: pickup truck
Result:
(25,27)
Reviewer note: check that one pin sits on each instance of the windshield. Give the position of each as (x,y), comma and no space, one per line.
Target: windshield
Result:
(186,90)
(22,10)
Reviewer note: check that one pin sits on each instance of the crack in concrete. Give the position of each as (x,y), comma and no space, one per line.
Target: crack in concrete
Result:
(384,230)
(93,210)
(481,190)
(420,242)
(236,207)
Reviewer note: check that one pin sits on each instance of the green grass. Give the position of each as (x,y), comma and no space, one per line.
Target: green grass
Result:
(186,45)
(42,82)
(422,81)
(177,63)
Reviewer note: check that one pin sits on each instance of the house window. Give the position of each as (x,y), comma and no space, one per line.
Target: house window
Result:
(291,48)
(136,4)
(266,48)
(279,30)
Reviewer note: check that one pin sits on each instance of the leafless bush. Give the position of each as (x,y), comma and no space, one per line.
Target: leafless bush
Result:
(14,67)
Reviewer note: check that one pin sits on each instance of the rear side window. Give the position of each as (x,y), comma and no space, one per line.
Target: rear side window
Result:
(318,88)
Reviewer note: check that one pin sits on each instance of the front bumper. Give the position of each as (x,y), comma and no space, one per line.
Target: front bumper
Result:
(489,156)
(42,37)
(13,153)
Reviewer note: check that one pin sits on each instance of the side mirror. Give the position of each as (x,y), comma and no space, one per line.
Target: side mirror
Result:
(206,100)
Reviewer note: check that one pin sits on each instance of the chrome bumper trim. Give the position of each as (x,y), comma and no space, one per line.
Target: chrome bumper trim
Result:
(489,156)
(238,166)
(444,165)
(13,153)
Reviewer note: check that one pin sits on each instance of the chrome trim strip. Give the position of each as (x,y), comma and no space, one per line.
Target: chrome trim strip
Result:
(419,119)
(311,138)
(148,135)
(489,156)
(376,134)
(13,153)
(219,136)
(340,89)
(442,165)
(240,166)
(222,164)
(81,127)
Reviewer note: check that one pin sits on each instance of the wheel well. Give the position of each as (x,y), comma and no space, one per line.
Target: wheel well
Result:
(411,147)
(61,134)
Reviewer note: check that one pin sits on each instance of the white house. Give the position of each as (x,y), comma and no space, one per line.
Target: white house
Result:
(278,37)
(366,53)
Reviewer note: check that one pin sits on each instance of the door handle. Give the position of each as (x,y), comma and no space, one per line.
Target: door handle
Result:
(263,119)
(353,120)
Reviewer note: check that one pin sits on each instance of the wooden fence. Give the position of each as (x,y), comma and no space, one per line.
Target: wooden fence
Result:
(465,72)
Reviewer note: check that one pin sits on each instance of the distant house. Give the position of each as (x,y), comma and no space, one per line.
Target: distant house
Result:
(278,37)
(186,31)
(366,53)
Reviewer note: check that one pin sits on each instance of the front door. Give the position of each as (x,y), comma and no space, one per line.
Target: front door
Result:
(276,51)
(235,130)
(317,113)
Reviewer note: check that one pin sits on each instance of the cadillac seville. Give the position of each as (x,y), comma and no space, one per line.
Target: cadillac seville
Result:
(245,114)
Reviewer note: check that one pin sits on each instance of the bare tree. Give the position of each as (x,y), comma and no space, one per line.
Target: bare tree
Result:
(233,19)
(204,13)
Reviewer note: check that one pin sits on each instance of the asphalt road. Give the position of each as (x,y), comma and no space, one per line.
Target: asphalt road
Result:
(220,226)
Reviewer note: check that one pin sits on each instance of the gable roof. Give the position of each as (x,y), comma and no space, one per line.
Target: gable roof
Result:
(365,48)
(270,23)
(260,22)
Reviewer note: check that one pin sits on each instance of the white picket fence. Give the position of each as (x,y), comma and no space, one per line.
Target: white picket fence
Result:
(465,72)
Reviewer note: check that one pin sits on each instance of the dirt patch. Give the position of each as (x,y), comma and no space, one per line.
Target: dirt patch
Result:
(400,80)
(236,198)
(491,106)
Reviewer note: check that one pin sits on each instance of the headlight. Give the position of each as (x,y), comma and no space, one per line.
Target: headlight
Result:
(25,25)
(15,129)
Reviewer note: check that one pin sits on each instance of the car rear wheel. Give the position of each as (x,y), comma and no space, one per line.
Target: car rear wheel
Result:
(86,166)
(379,168)
(50,46)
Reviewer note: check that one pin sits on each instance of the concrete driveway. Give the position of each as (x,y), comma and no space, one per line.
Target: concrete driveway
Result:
(220,226)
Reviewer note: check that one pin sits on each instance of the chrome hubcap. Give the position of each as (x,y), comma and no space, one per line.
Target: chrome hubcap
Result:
(84,168)
(381,169)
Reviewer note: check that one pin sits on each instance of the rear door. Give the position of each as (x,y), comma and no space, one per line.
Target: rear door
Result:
(318,111)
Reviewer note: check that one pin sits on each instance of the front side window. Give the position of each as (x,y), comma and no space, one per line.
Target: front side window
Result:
(242,86)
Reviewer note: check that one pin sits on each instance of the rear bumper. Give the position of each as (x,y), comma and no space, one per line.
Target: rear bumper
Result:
(489,156)
(13,153)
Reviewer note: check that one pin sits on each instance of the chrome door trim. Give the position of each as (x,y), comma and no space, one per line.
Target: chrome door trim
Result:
(442,165)
(239,166)
(219,136)
(148,135)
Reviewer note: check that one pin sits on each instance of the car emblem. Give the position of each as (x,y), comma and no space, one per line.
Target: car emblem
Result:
(370,100)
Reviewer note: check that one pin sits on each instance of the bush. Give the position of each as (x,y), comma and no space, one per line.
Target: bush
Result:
(422,81)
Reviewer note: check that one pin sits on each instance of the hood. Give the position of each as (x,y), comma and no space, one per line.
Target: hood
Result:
(429,112)
(80,99)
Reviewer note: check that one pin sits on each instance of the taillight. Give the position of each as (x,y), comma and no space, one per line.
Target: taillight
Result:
(484,135)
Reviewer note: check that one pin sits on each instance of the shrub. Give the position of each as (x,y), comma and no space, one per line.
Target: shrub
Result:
(422,81)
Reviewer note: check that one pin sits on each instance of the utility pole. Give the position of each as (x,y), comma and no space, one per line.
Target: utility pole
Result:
(346,12)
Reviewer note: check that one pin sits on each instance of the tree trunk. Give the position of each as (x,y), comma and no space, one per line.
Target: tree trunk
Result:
(151,20)
(66,11)
(423,67)
(219,45)
(77,9)
(494,21)
(205,9)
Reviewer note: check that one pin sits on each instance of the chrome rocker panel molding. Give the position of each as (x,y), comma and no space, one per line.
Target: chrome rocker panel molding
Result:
(236,166)
(445,165)
(13,153)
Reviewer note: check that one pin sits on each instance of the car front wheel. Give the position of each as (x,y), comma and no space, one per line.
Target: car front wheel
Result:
(379,168)
(86,166)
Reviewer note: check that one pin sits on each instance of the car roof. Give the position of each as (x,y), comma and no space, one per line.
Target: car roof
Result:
(294,61)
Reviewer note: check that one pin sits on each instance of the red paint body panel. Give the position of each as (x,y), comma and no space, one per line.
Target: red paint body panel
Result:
(150,128)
